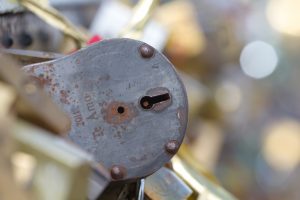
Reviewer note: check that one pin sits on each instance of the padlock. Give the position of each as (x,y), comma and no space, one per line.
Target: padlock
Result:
(128,105)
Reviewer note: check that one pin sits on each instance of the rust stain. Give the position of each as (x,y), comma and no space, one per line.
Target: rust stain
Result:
(47,70)
(40,81)
(54,87)
(118,112)
(64,97)
(169,165)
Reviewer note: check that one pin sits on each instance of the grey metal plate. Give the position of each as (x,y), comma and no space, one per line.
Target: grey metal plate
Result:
(94,83)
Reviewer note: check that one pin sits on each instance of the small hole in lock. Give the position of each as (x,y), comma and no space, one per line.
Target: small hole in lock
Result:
(121,109)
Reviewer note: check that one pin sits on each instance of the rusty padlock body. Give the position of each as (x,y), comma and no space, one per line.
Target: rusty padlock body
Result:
(128,105)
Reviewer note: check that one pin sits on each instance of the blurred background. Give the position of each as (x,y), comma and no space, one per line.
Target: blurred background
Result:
(239,60)
(244,57)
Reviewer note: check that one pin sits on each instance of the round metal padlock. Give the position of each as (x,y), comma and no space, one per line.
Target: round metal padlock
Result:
(127,105)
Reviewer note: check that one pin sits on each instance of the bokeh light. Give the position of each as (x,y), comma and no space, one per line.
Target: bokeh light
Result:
(228,97)
(281,145)
(284,16)
(258,59)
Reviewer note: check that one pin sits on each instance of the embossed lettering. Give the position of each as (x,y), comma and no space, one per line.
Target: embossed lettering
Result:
(78,118)
(90,107)
(97,133)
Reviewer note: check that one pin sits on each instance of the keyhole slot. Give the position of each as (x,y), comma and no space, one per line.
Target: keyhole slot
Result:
(147,102)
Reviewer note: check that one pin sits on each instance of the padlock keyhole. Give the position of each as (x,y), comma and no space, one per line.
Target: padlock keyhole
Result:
(147,102)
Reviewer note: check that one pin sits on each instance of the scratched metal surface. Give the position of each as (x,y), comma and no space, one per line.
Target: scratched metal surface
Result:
(94,82)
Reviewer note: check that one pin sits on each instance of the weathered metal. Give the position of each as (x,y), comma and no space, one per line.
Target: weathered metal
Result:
(102,86)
